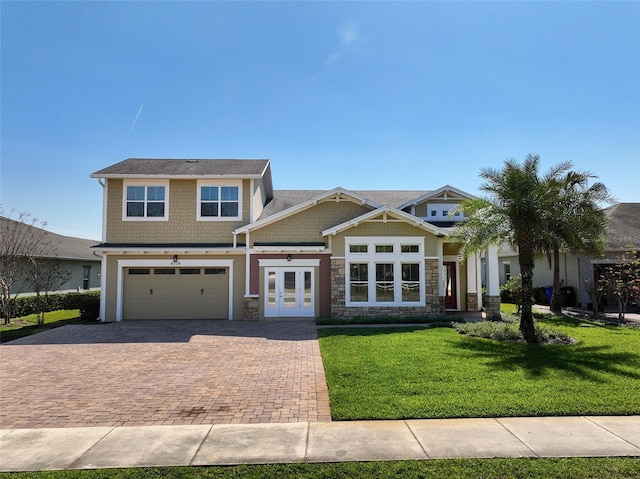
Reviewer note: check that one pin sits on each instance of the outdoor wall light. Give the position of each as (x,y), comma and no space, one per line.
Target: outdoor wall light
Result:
(288,257)
(175,260)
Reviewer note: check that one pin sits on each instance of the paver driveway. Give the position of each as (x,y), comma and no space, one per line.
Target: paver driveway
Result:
(164,372)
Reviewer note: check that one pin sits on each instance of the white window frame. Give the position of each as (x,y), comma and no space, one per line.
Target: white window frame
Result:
(145,183)
(397,258)
(218,183)
(436,212)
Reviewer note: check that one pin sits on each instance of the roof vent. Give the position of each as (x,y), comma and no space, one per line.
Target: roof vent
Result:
(193,161)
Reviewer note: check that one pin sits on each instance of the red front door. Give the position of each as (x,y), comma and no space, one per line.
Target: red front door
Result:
(450,285)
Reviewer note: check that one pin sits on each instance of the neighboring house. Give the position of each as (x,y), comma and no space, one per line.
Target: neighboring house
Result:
(212,239)
(623,234)
(73,255)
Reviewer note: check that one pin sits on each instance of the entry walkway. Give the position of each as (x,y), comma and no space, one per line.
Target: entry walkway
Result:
(226,444)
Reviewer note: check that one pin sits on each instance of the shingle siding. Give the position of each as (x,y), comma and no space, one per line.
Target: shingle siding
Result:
(182,226)
(307,226)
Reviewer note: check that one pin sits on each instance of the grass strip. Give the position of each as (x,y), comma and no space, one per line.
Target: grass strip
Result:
(566,468)
(28,325)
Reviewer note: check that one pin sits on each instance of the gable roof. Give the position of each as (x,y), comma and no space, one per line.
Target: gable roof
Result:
(64,247)
(436,194)
(284,199)
(189,168)
(623,230)
(273,216)
(386,211)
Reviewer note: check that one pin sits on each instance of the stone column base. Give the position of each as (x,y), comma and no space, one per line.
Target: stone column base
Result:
(492,305)
(251,309)
(472,301)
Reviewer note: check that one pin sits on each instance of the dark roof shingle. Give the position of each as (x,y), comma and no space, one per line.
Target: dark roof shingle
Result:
(623,230)
(285,199)
(62,247)
(133,167)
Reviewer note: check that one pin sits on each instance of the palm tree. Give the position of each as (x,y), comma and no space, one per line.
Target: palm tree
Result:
(521,210)
(577,224)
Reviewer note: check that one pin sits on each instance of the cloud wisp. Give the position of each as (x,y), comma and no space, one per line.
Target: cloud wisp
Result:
(133,125)
(350,37)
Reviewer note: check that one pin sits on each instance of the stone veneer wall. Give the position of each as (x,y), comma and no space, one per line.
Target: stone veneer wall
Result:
(472,301)
(492,305)
(251,309)
(434,303)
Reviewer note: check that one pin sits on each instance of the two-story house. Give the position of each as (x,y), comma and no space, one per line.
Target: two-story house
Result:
(212,239)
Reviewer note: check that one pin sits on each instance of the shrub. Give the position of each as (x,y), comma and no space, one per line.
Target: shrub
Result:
(90,306)
(500,330)
(511,291)
(26,305)
(508,330)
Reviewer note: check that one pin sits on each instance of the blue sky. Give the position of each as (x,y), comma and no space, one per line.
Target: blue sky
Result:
(364,95)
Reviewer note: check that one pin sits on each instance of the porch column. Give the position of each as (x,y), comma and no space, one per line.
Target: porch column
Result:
(478,261)
(492,296)
(440,243)
(472,283)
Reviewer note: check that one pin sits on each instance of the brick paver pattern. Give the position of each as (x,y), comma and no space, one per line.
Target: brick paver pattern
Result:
(164,372)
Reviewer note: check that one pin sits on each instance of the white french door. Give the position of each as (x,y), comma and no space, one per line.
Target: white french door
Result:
(289,292)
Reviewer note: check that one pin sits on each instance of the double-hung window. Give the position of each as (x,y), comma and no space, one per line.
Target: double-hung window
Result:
(145,201)
(219,201)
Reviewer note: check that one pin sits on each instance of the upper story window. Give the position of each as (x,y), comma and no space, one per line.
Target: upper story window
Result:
(145,201)
(219,201)
(443,212)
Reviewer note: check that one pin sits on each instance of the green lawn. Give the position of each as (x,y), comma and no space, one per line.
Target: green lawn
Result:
(569,468)
(393,373)
(28,325)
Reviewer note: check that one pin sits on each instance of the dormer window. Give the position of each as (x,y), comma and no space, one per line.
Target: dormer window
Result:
(219,201)
(145,201)
(443,212)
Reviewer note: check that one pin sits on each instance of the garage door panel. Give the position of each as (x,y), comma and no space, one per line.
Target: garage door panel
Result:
(176,296)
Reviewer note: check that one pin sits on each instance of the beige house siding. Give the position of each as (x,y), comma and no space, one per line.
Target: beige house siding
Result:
(109,293)
(182,226)
(385,229)
(308,225)
(258,198)
(111,290)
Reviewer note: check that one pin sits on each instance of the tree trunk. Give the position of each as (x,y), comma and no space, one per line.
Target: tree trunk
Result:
(525,248)
(556,300)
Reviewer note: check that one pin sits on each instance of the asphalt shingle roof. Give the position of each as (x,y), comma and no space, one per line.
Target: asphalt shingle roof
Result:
(183,167)
(64,247)
(623,230)
(285,199)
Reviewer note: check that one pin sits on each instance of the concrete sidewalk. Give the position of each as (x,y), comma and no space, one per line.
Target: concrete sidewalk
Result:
(227,444)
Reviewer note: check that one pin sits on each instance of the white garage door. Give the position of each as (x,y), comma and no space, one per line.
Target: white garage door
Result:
(176,293)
